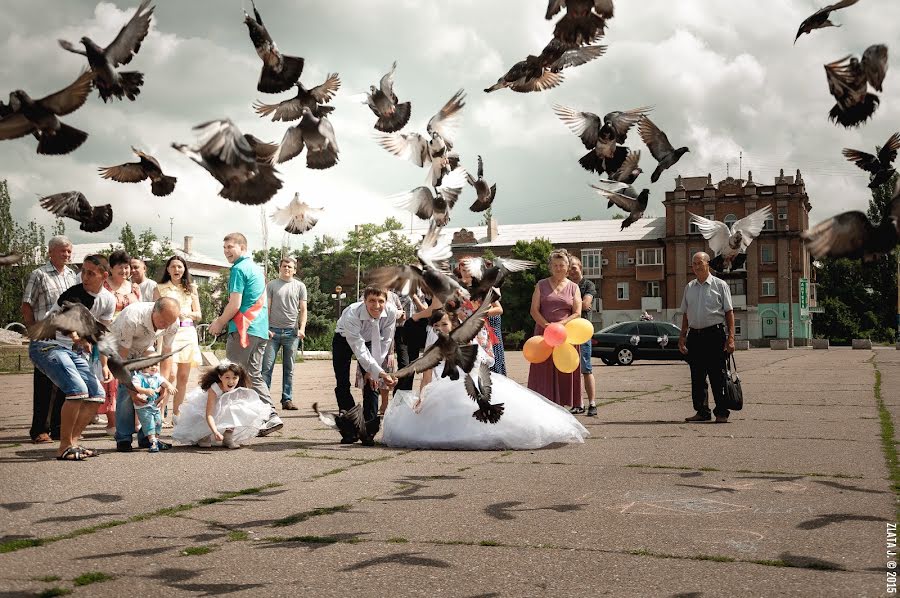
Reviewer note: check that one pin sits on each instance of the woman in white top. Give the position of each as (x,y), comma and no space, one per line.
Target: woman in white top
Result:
(176,283)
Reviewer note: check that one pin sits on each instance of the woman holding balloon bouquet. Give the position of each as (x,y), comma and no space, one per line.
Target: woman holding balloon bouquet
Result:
(556,309)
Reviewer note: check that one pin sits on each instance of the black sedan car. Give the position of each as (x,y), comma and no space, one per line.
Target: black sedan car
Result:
(622,344)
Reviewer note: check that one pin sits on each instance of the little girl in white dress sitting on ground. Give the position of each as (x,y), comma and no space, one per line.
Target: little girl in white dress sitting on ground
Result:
(443,417)
(222,411)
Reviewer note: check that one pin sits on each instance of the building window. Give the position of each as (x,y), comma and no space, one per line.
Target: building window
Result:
(769,223)
(737,327)
(730,219)
(767,254)
(652,289)
(768,287)
(621,259)
(692,228)
(590,262)
(597,304)
(737,286)
(650,257)
(622,291)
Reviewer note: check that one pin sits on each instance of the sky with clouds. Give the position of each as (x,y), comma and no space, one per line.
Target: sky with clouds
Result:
(723,76)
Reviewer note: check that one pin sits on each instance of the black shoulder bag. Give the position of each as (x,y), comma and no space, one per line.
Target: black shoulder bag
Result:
(734,396)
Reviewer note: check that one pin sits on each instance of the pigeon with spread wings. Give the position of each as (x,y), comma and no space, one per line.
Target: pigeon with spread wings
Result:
(241,163)
(849,80)
(853,235)
(484,279)
(600,136)
(730,242)
(486,413)
(453,349)
(134,172)
(24,115)
(351,424)
(74,205)
(584,21)
(103,61)
(540,73)
(316,135)
(879,167)
(314,99)
(820,19)
(625,197)
(279,71)
(392,114)
(297,217)
(408,279)
(660,148)
(435,206)
(484,192)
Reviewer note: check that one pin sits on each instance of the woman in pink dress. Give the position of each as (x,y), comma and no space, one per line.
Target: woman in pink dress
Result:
(555,299)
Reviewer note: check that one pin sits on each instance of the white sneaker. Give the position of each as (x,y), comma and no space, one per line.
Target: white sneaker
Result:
(204,442)
(228,440)
(273,424)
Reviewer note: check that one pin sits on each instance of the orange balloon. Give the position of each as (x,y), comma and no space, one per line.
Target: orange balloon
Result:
(579,331)
(536,350)
(555,334)
(566,358)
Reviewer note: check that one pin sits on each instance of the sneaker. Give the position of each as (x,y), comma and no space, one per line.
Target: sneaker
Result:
(228,440)
(205,442)
(154,447)
(99,420)
(163,446)
(273,424)
(124,446)
(576,410)
(289,406)
(143,442)
(592,411)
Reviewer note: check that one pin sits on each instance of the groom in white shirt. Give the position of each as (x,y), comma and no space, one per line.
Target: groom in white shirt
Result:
(365,329)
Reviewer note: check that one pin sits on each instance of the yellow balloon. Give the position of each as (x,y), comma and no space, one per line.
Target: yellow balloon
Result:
(536,350)
(566,358)
(579,331)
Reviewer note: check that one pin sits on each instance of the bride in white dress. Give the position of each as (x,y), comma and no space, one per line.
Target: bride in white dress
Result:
(442,416)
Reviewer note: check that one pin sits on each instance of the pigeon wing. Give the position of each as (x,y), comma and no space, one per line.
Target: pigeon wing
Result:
(844,235)
(622,121)
(627,167)
(888,151)
(874,64)
(472,325)
(750,226)
(70,99)
(128,41)
(287,110)
(430,358)
(74,317)
(223,140)
(387,82)
(484,381)
(578,57)
(629,204)
(70,204)
(419,201)
(656,140)
(444,123)
(584,124)
(715,232)
(325,92)
(130,172)
(15,125)
(407,146)
(866,161)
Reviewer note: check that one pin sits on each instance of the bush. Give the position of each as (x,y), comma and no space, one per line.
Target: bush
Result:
(513,340)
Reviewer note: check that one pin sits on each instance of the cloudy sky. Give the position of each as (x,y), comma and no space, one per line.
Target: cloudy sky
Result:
(723,76)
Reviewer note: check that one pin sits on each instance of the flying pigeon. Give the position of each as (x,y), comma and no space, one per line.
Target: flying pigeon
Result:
(820,18)
(392,115)
(241,163)
(431,149)
(351,424)
(853,235)
(453,349)
(731,241)
(25,115)
(436,206)
(408,279)
(600,136)
(279,71)
(103,61)
(9,259)
(603,8)
(629,171)
(134,172)
(880,166)
(848,81)
(484,279)
(74,205)
(485,193)
(314,99)
(659,147)
(540,73)
(486,413)
(297,217)
(626,198)
(316,135)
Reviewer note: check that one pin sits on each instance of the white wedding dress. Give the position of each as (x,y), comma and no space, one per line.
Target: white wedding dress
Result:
(444,419)
(239,410)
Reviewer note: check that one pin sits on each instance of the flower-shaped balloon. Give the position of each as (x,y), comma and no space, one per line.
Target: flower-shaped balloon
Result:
(559,341)
(635,340)
(663,340)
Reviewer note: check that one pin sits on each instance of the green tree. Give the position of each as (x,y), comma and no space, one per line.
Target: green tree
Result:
(574,218)
(517,291)
(486,216)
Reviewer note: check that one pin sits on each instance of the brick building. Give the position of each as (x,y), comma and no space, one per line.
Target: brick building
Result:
(646,266)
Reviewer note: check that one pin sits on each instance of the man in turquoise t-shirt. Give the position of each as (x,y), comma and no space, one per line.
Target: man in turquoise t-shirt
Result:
(247,318)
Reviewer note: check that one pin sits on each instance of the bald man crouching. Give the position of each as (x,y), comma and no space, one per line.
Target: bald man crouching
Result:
(707,312)
(135,330)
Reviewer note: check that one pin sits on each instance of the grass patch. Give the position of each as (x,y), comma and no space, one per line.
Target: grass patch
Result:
(397,540)
(330,472)
(300,517)
(86,579)
(223,496)
(47,578)
(686,557)
(54,592)
(489,543)
(238,535)
(888,444)
(165,512)
(19,544)
(13,445)
(196,550)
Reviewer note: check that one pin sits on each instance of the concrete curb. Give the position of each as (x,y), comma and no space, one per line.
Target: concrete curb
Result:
(862,343)
(820,343)
(779,344)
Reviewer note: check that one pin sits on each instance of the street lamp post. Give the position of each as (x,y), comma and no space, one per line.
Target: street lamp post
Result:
(358,261)
(338,296)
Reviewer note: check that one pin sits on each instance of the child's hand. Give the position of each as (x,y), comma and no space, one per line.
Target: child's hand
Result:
(219,437)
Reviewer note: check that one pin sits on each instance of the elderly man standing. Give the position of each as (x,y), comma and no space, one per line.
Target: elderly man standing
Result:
(42,291)
(706,313)
(135,330)
(139,277)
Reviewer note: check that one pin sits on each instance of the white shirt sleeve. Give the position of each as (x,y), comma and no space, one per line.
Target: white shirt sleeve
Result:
(352,331)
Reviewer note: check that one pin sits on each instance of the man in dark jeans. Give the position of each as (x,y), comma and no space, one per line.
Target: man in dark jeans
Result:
(410,337)
(365,329)
(707,313)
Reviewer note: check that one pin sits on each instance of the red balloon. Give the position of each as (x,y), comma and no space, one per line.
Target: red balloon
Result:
(555,334)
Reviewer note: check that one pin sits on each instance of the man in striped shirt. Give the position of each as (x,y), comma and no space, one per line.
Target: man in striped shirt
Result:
(42,290)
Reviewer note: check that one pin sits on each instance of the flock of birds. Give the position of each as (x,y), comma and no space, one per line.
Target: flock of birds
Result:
(245,166)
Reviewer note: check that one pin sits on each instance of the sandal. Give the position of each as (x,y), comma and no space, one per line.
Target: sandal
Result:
(88,452)
(73,453)
(576,410)
(43,438)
